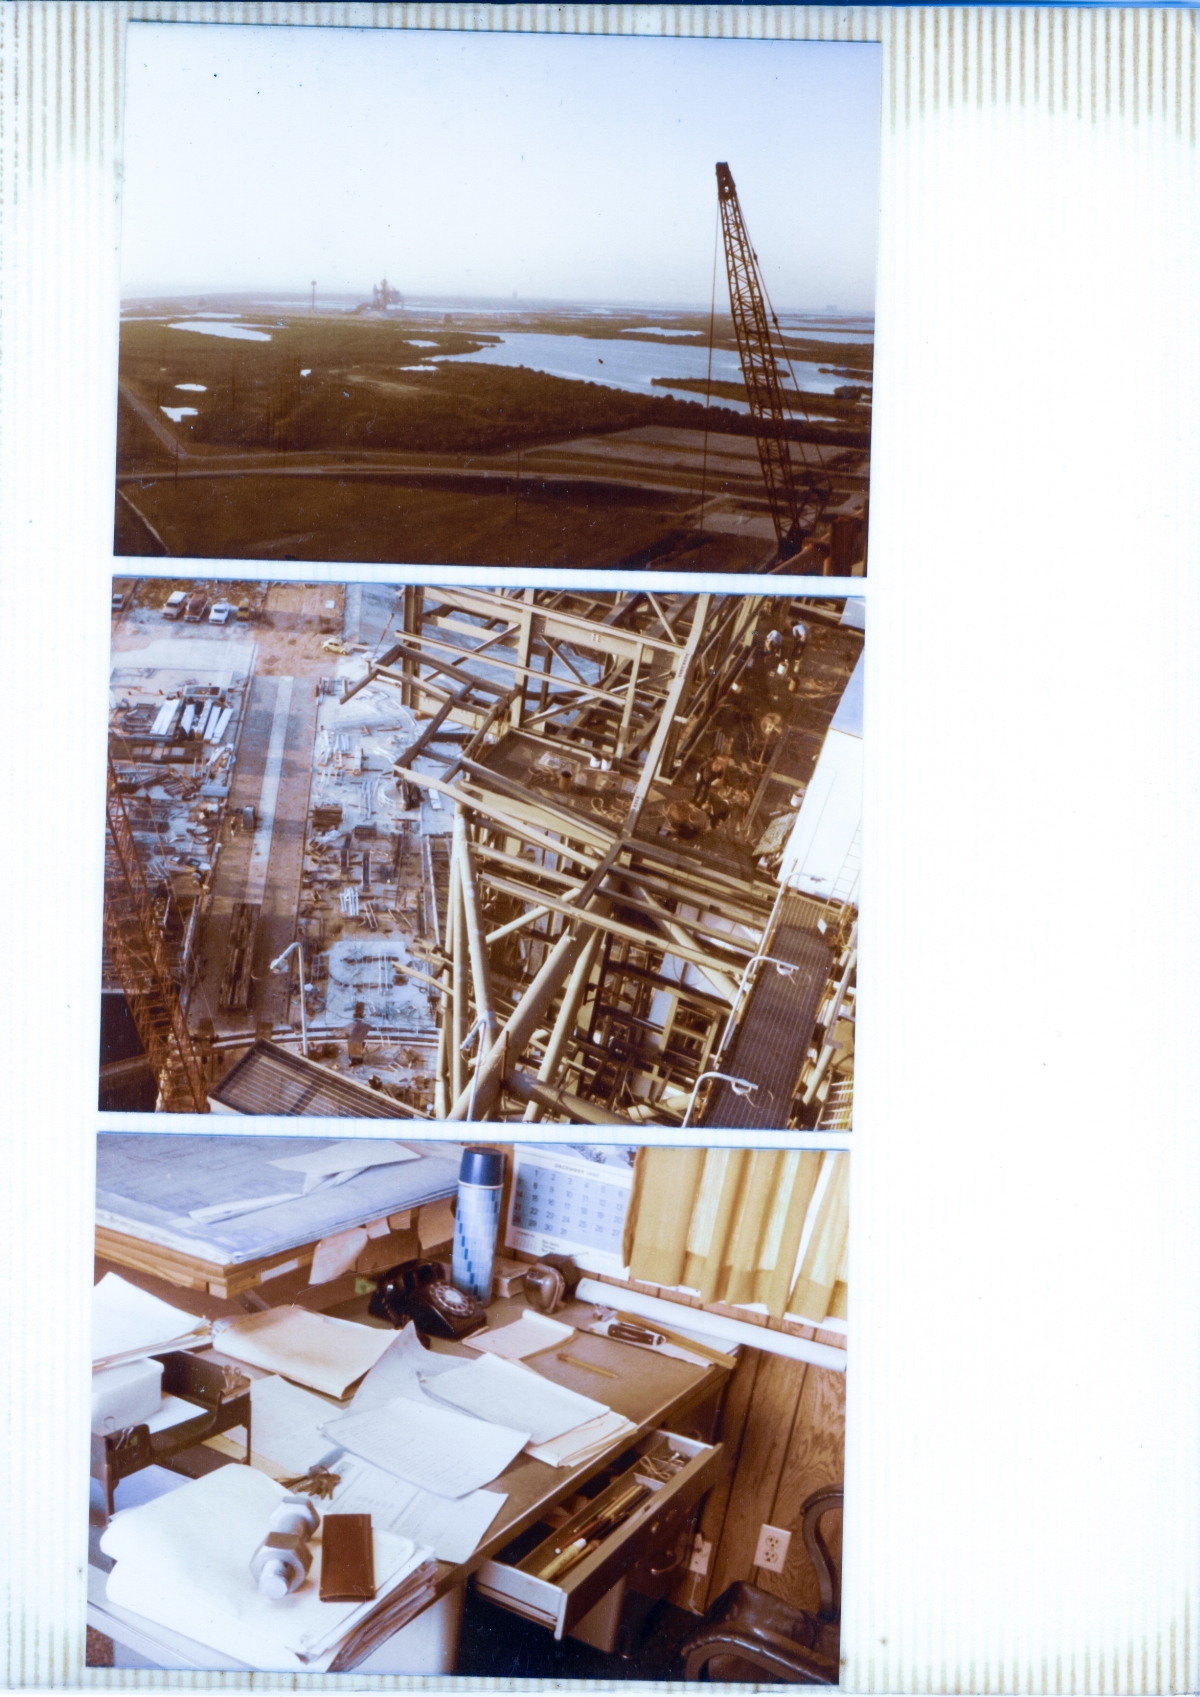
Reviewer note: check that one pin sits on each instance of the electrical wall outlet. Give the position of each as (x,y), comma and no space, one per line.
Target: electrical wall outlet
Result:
(701,1550)
(772,1548)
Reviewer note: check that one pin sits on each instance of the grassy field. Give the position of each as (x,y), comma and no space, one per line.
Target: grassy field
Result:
(263,517)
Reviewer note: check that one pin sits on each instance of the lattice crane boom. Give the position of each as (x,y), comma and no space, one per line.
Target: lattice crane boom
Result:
(760,369)
(140,961)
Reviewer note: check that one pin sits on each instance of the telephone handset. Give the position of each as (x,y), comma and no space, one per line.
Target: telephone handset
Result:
(421,1291)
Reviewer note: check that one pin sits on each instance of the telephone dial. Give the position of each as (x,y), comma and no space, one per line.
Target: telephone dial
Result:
(421,1291)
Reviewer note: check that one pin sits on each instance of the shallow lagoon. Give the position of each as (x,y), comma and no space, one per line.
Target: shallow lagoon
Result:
(631,364)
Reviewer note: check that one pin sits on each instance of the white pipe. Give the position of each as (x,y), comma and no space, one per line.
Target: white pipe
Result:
(716,1325)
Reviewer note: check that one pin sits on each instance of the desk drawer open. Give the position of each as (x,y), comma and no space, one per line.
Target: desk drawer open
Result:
(650,1547)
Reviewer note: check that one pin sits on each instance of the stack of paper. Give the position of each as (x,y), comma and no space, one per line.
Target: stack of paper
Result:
(321,1169)
(316,1349)
(573,1448)
(129,1324)
(183,1561)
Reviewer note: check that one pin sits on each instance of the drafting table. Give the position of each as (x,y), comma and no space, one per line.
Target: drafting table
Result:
(143,1205)
(651,1390)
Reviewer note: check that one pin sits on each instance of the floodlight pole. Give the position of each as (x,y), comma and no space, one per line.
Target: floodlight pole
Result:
(280,965)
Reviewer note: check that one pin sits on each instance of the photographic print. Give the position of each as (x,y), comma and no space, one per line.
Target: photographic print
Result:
(497,300)
(510,1410)
(464,854)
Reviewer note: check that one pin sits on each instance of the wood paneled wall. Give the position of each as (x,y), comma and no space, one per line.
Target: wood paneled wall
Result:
(785,1428)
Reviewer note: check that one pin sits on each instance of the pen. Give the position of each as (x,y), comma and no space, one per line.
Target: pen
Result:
(563,1559)
(592,1531)
(588,1366)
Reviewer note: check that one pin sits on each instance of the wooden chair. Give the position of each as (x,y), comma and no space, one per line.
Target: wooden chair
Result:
(751,1635)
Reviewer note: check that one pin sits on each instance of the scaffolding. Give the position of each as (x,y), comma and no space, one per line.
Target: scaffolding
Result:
(133,933)
(601,759)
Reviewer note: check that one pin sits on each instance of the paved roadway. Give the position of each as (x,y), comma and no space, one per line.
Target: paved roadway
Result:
(273,775)
(668,461)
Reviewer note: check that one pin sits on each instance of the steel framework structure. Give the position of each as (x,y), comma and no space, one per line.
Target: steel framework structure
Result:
(587,960)
(143,970)
(752,323)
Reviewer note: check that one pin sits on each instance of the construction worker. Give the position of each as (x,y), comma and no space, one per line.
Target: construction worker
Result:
(710,772)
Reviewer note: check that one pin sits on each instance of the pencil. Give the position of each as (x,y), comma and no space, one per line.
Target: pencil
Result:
(588,1366)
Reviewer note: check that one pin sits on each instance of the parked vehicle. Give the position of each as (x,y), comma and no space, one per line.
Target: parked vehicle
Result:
(176,603)
(118,600)
(221,613)
(195,608)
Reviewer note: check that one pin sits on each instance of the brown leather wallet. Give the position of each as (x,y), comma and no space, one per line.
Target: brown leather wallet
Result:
(347,1559)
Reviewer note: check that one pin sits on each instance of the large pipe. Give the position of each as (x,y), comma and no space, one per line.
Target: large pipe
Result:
(458,982)
(514,1039)
(724,986)
(704,959)
(715,1326)
(564,1025)
(826,1054)
(472,920)
(543,1096)
(527,1016)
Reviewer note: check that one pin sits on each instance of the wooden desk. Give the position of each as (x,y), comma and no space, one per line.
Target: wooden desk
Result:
(650,1390)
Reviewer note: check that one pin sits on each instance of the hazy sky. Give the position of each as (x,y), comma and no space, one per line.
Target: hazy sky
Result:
(557,167)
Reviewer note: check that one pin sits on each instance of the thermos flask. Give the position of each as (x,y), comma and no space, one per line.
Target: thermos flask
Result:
(477,1220)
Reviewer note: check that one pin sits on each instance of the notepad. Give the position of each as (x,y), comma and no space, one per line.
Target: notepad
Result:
(129,1324)
(314,1349)
(530,1334)
(434,1447)
(514,1396)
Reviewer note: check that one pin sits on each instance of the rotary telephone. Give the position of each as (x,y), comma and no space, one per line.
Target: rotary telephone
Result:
(421,1291)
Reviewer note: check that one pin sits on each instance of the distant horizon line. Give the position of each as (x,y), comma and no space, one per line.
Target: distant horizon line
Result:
(491,302)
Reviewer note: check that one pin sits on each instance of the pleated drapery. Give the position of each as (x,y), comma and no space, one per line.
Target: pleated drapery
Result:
(730,1224)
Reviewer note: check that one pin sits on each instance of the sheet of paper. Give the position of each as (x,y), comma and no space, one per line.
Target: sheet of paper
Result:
(183,1561)
(583,1442)
(314,1349)
(173,1411)
(128,1323)
(516,1396)
(530,1334)
(351,1154)
(286,1424)
(434,1447)
(218,1211)
(451,1526)
(396,1372)
(336,1255)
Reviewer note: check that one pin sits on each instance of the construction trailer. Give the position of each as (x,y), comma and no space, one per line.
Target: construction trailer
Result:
(614,942)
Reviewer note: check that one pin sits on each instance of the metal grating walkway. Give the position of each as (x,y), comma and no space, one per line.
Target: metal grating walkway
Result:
(776,1026)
